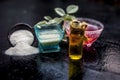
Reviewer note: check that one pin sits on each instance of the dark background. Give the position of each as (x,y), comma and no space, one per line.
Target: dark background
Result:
(32,11)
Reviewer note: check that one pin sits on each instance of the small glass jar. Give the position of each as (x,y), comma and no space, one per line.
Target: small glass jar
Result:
(49,37)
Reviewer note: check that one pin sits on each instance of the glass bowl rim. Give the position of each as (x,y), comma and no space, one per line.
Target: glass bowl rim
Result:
(93,20)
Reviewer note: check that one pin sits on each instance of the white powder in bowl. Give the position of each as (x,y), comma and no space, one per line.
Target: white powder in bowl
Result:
(21,35)
(22,39)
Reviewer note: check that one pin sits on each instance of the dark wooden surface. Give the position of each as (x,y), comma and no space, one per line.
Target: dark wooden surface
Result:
(55,66)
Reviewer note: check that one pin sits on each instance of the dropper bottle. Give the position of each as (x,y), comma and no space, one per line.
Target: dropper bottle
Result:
(76,39)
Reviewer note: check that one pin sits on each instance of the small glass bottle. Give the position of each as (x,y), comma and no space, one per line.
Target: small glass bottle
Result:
(76,39)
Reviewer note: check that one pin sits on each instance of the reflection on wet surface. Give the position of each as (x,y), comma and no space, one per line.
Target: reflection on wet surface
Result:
(56,66)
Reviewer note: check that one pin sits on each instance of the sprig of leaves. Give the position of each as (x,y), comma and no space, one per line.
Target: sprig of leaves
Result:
(65,15)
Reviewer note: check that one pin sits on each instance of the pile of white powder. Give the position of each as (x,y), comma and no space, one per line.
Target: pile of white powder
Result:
(22,40)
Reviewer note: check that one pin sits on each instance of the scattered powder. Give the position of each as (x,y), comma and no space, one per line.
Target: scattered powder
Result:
(22,39)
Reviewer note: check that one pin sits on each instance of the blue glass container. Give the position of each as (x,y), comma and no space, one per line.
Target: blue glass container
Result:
(49,37)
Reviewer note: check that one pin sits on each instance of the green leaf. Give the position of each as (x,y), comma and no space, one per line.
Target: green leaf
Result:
(58,20)
(60,11)
(41,23)
(72,9)
(47,17)
(52,21)
(69,17)
(38,26)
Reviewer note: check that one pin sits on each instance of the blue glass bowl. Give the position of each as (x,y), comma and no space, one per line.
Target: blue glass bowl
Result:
(49,37)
